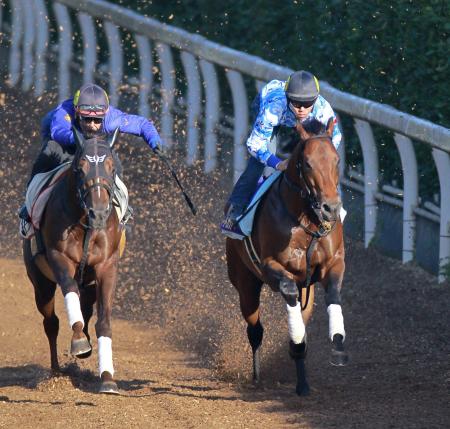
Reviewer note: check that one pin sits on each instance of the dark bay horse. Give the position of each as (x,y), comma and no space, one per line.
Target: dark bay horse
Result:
(80,235)
(297,240)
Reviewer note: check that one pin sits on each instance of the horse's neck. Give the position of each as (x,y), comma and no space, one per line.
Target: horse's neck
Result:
(67,193)
(295,204)
(292,196)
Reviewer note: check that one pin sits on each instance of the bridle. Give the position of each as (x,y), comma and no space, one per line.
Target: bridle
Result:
(97,219)
(305,191)
(97,177)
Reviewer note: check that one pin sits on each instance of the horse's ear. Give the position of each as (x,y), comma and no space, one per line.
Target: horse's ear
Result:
(303,133)
(112,137)
(79,139)
(330,126)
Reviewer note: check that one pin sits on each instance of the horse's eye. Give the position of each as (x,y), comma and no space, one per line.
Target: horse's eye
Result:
(308,165)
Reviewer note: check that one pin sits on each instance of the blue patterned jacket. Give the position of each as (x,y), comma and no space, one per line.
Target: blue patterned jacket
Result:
(274,111)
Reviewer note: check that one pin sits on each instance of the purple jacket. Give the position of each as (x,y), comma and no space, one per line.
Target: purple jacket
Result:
(57,125)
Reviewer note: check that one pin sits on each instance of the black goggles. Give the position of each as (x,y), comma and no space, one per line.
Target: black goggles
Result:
(300,104)
(95,120)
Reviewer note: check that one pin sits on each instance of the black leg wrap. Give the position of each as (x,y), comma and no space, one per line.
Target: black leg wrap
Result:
(255,335)
(339,356)
(298,351)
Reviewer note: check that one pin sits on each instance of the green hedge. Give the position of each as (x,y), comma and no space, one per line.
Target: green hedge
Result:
(391,52)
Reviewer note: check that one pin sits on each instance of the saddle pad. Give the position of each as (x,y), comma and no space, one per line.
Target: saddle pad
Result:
(120,198)
(39,191)
(246,221)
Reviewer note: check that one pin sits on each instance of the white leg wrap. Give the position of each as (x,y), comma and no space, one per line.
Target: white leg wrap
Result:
(73,309)
(105,361)
(296,327)
(336,320)
(342,214)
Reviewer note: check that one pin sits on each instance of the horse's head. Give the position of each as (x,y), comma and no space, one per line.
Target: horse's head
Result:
(94,171)
(315,166)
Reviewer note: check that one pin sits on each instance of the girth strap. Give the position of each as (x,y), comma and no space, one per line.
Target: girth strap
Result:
(252,252)
(307,284)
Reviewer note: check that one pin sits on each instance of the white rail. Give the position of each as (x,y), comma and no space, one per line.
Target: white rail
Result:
(200,59)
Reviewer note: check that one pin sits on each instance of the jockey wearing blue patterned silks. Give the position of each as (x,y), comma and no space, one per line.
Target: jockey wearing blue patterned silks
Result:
(90,112)
(279,103)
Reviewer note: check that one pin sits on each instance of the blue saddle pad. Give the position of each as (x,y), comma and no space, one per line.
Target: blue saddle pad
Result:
(246,221)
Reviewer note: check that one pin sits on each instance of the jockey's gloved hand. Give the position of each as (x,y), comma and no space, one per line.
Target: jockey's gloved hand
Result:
(157,146)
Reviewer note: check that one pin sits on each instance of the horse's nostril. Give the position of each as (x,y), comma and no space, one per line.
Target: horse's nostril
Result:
(326,208)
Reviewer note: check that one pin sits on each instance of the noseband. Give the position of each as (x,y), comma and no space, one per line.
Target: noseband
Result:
(305,191)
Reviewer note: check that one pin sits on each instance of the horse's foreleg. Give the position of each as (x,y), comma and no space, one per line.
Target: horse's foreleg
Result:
(107,276)
(87,300)
(297,320)
(64,271)
(333,284)
(296,325)
(279,279)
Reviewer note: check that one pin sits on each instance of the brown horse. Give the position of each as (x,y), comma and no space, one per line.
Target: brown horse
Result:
(80,238)
(297,240)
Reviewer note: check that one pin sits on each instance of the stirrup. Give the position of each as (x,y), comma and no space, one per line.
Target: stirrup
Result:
(128,215)
(231,230)
(230,224)
(23,213)
(26,229)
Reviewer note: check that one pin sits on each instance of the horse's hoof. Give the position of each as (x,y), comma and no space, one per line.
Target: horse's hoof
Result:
(109,387)
(338,358)
(302,389)
(80,348)
(85,355)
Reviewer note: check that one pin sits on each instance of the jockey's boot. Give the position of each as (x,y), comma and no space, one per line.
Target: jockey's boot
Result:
(25,227)
(230,224)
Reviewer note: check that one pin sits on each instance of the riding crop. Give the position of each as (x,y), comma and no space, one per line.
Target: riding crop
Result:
(191,205)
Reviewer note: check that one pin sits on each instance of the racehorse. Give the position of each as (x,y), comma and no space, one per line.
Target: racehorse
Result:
(296,241)
(80,236)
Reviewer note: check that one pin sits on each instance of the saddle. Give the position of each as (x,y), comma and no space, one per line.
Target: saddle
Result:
(245,222)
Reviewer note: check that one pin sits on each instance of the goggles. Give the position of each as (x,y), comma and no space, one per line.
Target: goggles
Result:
(92,110)
(300,104)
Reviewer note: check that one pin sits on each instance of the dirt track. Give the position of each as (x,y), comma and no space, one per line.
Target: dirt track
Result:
(180,348)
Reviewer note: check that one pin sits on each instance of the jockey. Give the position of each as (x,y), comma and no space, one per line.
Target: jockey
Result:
(279,103)
(90,112)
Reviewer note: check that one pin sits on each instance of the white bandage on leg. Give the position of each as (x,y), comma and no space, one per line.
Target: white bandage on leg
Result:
(105,362)
(73,309)
(336,321)
(296,327)
(342,214)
